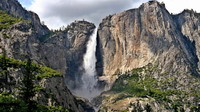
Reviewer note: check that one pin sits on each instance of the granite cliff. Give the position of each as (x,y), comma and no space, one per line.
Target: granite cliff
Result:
(149,34)
(145,53)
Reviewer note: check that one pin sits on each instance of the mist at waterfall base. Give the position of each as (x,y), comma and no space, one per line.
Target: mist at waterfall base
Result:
(88,87)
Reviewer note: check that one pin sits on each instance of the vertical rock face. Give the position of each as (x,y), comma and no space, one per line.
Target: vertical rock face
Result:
(136,37)
(64,51)
(188,23)
(145,45)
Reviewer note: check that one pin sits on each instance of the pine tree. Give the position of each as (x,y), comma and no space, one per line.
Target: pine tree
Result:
(7,103)
(28,89)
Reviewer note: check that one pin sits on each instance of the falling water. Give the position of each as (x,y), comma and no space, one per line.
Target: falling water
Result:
(88,89)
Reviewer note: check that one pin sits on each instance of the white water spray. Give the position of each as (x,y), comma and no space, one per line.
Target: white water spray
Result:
(88,89)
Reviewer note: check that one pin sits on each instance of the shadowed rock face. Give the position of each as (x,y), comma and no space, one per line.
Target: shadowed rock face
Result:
(60,50)
(188,23)
(149,34)
(64,51)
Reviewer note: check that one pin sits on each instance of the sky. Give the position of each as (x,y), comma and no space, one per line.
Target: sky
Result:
(58,13)
(26,3)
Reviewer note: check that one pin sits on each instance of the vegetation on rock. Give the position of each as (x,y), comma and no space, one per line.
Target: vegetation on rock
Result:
(7,20)
(140,83)
(43,71)
(21,100)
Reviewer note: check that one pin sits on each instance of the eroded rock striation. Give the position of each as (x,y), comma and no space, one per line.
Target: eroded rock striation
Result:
(149,34)
(148,52)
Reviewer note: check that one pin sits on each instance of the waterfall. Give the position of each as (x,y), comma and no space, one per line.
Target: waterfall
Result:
(88,88)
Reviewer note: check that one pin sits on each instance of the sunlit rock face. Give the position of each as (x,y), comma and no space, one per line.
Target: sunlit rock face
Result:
(136,37)
(149,36)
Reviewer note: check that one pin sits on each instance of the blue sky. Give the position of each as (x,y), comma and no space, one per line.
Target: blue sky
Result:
(25,3)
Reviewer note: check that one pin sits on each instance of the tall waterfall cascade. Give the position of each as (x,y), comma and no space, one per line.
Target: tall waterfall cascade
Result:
(89,79)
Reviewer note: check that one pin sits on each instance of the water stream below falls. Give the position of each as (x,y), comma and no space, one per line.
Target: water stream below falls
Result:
(89,79)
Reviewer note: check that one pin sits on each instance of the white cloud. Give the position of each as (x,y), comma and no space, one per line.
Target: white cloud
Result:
(177,6)
(56,13)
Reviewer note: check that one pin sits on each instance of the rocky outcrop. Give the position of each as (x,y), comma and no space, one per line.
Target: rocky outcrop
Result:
(139,90)
(136,37)
(61,50)
(14,8)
